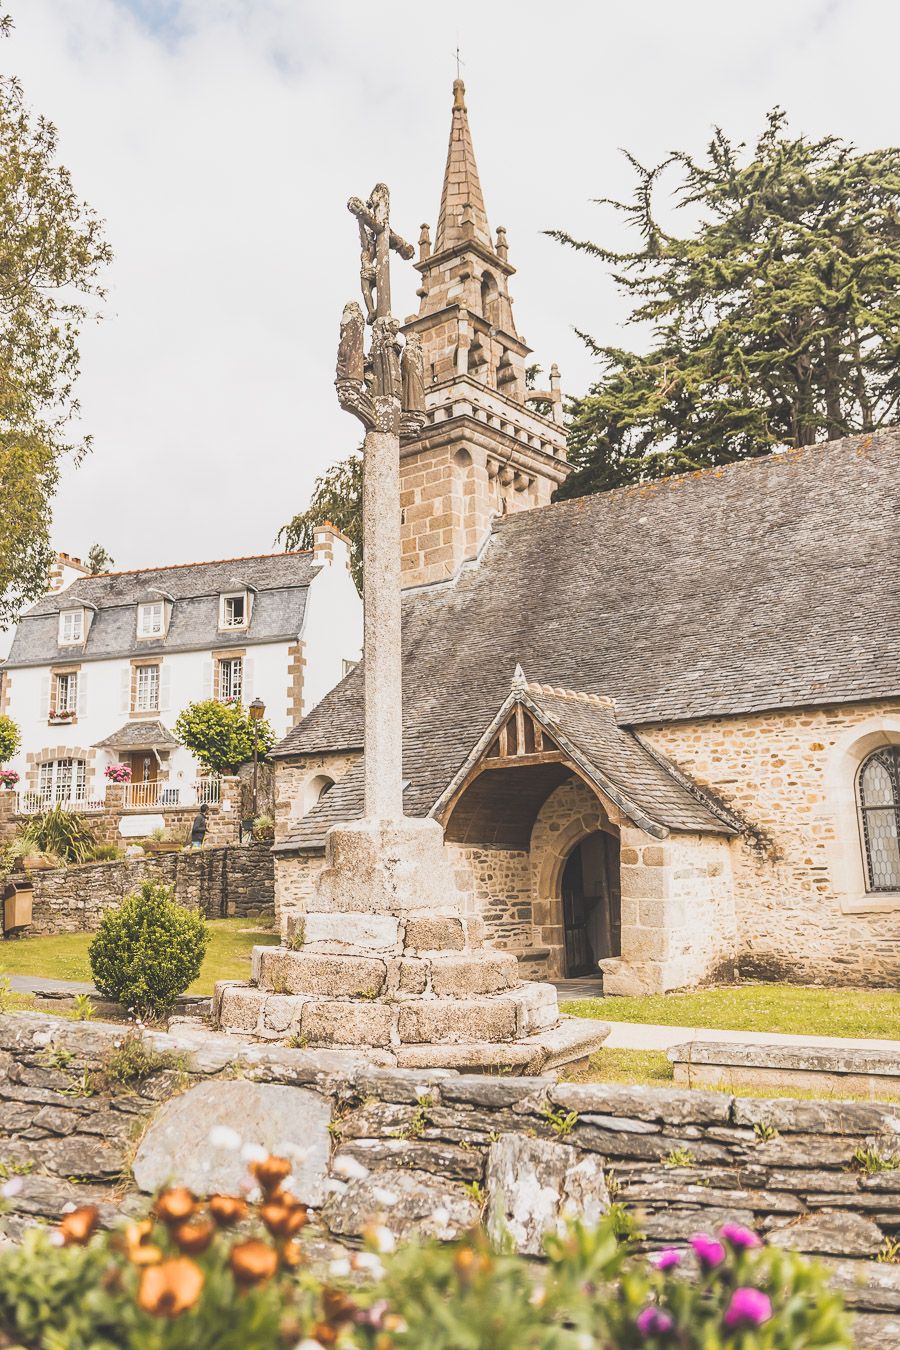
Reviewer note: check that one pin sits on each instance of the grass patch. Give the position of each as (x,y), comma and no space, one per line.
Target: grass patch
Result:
(790,1008)
(65,956)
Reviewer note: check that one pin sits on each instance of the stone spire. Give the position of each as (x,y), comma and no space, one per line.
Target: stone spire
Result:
(462,215)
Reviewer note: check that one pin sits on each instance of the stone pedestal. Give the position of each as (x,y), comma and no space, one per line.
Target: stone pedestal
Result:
(385,959)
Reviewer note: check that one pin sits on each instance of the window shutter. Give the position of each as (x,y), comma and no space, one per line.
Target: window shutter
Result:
(165,688)
(45,697)
(81,692)
(125,691)
(207,679)
(247,691)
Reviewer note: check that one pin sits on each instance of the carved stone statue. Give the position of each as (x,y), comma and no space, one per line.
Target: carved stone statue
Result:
(351,349)
(412,371)
(386,359)
(367,270)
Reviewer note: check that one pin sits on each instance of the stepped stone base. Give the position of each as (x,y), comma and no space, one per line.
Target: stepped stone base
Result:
(385,960)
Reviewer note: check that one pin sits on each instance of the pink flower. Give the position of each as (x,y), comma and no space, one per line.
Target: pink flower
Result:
(654,1322)
(748,1308)
(709,1252)
(666,1260)
(739,1237)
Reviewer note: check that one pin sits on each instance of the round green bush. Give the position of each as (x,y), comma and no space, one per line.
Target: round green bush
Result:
(147,952)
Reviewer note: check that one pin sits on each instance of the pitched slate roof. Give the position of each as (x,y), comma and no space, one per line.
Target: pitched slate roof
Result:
(281,581)
(149,735)
(772,583)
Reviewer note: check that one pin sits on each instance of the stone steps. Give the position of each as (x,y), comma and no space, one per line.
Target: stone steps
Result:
(346,974)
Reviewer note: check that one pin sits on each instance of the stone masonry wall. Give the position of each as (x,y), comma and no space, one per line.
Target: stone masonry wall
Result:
(226,882)
(801,907)
(783,1167)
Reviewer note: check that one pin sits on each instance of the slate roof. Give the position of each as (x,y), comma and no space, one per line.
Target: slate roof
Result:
(148,735)
(772,583)
(281,581)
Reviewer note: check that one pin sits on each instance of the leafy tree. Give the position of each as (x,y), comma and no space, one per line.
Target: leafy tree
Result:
(52,251)
(99,560)
(10,738)
(336,497)
(775,321)
(221,734)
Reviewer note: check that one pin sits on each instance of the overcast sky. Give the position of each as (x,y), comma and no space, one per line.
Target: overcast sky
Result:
(220,140)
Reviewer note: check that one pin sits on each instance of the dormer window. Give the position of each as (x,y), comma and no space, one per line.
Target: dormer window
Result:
(71,625)
(152,619)
(233,612)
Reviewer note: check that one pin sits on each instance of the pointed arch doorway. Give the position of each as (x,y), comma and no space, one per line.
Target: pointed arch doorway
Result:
(592,905)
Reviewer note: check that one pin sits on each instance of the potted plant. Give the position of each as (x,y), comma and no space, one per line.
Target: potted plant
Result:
(161,841)
(8,778)
(118,773)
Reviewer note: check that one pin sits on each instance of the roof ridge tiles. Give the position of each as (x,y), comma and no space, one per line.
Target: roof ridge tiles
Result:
(574,695)
(208,562)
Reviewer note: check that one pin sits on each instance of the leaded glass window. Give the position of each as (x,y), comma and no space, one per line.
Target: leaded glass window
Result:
(879,804)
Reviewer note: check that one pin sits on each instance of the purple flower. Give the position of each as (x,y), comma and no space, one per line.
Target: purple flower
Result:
(740,1238)
(709,1252)
(748,1308)
(666,1260)
(654,1322)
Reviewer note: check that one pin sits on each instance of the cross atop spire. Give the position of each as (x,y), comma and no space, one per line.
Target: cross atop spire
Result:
(462,214)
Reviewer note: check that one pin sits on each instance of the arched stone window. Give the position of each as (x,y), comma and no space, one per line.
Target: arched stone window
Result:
(879,808)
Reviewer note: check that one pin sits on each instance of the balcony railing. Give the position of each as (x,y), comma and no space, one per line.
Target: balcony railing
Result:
(35,803)
(161,795)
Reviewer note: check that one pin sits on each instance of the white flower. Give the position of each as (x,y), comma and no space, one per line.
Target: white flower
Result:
(382,1196)
(57,1239)
(441,1216)
(252,1153)
(339,1269)
(422,1091)
(309,1345)
(370,1263)
(382,1237)
(12,1187)
(223,1136)
(348,1167)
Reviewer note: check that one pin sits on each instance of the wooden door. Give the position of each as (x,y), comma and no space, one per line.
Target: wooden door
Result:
(578,951)
(592,904)
(144,767)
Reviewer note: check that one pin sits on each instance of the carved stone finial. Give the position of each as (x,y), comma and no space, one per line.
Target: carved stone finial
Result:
(424,242)
(519,683)
(459,94)
(502,247)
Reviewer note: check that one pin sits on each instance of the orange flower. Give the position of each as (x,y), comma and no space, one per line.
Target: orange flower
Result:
(283,1220)
(292,1254)
(76,1228)
(271,1172)
(227,1209)
(171,1288)
(253,1262)
(175,1205)
(337,1306)
(194,1235)
(324,1334)
(137,1249)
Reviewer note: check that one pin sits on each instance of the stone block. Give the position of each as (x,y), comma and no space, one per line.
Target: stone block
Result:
(534,1185)
(473,973)
(290,1122)
(485,1019)
(422,1205)
(435,932)
(537,1007)
(346,1023)
(240,1007)
(643,883)
(334,976)
(379,868)
(407,975)
(829,1234)
(281,1011)
(367,932)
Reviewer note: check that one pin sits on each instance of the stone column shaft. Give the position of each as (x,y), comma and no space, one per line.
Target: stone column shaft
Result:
(381,605)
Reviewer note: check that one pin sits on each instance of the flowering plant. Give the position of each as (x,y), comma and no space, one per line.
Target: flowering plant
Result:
(8,778)
(236,1269)
(61,714)
(118,773)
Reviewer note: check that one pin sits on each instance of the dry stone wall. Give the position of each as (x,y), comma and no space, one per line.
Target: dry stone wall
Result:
(680,1161)
(228,882)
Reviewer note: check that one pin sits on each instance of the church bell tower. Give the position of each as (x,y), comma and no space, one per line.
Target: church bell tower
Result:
(490,444)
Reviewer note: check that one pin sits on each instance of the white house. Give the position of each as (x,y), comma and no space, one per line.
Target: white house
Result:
(101,667)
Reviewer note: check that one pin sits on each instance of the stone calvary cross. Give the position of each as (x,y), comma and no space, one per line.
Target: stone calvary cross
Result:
(386,392)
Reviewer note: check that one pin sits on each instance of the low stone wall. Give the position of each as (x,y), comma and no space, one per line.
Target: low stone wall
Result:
(226,882)
(680,1161)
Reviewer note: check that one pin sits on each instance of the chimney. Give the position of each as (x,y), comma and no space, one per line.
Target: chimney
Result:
(64,570)
(331,547)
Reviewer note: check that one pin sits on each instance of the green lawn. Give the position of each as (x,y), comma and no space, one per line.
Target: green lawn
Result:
(65,956)
(789,1008)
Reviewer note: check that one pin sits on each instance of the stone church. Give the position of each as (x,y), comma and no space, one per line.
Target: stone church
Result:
(660,725)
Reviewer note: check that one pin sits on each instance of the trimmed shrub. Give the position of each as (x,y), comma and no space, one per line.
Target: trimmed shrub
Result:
(147,952)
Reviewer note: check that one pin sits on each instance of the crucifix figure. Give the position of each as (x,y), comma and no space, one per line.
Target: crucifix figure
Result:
(387,394)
